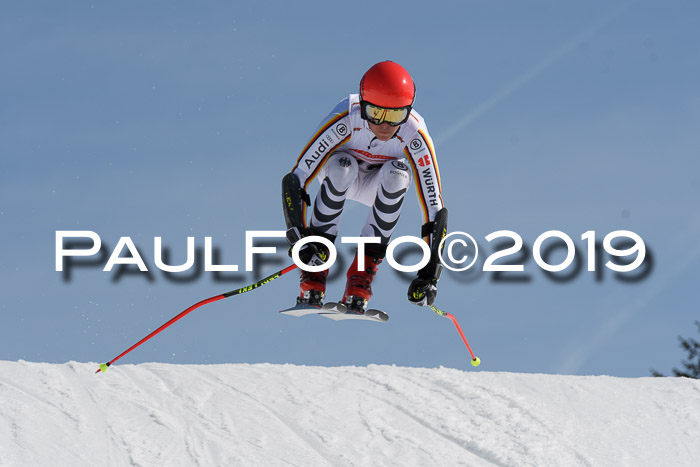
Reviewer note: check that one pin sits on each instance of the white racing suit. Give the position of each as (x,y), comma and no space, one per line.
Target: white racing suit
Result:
(352,163)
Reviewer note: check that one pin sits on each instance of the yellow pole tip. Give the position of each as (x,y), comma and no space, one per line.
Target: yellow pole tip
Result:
(476,361)
(103,367)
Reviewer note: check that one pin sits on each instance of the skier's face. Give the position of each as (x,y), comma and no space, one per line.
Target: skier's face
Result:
(383,131)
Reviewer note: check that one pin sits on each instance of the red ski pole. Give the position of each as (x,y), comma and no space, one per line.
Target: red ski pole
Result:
(476,361)
(182,314)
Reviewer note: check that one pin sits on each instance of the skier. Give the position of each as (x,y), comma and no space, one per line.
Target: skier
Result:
(367,149)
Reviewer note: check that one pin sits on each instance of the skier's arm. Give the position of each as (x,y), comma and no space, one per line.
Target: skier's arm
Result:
(333,132)
(423,288)
(294,202)
(421,155)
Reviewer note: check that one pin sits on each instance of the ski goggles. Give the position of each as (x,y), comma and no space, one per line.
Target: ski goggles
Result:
(378,115)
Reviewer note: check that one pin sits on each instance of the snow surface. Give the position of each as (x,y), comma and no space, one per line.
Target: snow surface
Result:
(162,414)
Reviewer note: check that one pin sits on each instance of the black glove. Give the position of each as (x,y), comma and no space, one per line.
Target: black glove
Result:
(312,253)
(422,291)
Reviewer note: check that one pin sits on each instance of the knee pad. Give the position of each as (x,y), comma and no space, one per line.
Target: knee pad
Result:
(396,176)
(341,169)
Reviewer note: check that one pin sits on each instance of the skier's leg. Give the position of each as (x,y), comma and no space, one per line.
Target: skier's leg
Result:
(393,181)
(338,174)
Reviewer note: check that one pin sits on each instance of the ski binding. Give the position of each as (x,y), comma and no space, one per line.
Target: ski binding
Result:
(338,311)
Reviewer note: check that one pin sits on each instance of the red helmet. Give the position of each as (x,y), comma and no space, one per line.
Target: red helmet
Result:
(387,84)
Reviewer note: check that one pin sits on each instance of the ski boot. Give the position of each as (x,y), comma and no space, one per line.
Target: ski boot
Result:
(313,288)
(358,289)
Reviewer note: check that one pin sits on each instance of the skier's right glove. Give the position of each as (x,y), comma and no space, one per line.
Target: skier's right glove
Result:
(422,291)
(312,253)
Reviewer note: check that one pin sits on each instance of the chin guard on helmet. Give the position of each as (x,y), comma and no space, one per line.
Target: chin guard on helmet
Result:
(435,231)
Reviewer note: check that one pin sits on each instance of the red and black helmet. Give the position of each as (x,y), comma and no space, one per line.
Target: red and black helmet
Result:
(388,84)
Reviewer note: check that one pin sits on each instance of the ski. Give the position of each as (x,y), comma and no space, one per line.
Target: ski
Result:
(301,309)
(335,311)
(338,312)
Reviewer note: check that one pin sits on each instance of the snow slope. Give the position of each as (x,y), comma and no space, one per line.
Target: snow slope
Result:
(160,414)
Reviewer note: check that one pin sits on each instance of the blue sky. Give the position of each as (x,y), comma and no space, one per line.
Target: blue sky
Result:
(173,119)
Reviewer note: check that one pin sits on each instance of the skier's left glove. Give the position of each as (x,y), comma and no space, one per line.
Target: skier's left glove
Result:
(422,291)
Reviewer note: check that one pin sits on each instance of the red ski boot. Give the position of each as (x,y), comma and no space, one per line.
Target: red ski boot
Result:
(358,289)
(313,288)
